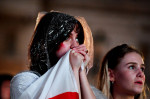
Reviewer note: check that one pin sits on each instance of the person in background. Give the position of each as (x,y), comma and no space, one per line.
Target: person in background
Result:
(5,86)
(121,75)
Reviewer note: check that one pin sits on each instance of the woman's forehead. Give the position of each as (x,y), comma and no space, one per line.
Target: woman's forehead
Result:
(132,57)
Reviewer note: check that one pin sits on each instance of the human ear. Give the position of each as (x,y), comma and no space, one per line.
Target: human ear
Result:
(111,75)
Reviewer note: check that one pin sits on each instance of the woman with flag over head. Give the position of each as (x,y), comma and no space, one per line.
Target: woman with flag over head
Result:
(60,55)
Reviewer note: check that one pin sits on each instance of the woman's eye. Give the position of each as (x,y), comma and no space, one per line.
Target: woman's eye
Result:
(77,40)
(142,69)
(131,67)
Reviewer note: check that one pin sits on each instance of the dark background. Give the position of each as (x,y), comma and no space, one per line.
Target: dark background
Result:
(112,22)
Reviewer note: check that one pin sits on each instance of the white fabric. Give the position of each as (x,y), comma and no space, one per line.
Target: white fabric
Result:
(21,82)
(98,93)
(55,81)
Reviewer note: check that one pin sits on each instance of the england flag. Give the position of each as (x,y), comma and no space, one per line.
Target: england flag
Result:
(57,83)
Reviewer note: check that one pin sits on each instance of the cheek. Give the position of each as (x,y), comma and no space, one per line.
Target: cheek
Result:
(63,48)
(144,78)
(123,77)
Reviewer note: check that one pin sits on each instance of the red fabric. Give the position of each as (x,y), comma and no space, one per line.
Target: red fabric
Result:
(67,95)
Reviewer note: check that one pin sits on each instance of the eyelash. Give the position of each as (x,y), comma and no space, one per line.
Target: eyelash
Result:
(67,39)
(133,67)
(143,68)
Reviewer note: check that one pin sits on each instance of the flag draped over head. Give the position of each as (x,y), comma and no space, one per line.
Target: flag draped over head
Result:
(88,38)
(57,83)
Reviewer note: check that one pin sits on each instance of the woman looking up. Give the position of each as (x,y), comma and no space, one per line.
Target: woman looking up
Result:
(122,75)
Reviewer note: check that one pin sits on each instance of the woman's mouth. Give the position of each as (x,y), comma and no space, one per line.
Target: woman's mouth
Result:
(139,82)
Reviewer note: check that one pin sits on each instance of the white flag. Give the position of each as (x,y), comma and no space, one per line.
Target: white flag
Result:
(57,83)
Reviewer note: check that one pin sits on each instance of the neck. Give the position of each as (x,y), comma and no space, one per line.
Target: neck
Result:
(118,94)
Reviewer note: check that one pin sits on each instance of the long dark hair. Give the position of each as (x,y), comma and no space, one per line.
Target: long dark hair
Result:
(53,28)
(111,60)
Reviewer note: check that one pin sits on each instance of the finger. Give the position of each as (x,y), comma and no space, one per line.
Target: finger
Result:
(78,53)
(86,58)
(80,46)
(72,51)
(86,61)
(90,66)
(83,53)
(80,56)
(80,49)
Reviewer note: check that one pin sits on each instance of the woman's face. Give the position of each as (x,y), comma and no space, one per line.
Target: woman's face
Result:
(129,75)
(68,44)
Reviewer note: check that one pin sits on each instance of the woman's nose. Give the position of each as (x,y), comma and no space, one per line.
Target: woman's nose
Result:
(140,73)
(74,44)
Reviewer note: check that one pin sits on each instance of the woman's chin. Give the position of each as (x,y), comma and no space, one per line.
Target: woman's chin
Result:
(138,91)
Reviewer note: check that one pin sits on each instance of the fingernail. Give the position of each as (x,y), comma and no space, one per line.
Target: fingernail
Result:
(86,51)
(73,51)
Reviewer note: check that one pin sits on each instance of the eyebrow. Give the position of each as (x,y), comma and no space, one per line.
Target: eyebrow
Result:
(135,63)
